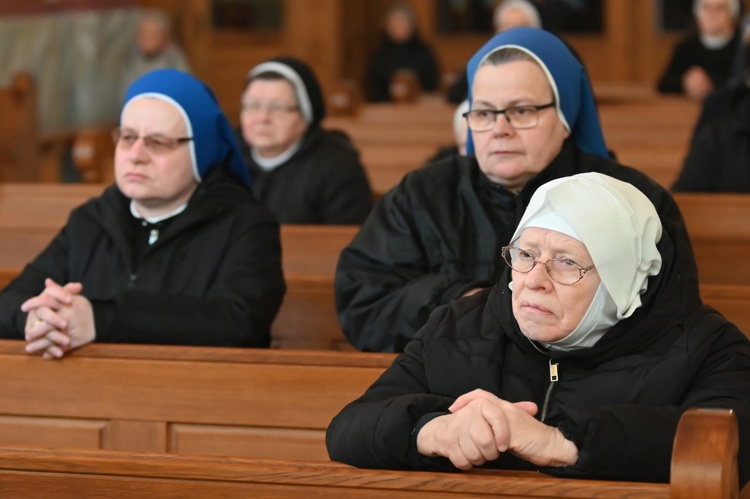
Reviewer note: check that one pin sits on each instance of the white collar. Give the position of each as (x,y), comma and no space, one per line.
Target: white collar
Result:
(269,164)
(153,220)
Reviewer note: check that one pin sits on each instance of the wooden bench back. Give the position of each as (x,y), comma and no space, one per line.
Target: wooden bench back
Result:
(182,400)
(720,235)
(704,464)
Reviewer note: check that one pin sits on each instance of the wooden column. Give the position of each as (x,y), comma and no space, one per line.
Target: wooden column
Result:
(314,32)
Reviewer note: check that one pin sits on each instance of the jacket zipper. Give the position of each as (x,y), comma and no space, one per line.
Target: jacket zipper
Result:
(552,380)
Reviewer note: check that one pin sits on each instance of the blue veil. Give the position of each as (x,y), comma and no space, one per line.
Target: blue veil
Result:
(213,141)
(570,84)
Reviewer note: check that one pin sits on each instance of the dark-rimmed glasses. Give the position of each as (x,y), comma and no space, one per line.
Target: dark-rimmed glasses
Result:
(562,271)
(519,117)
(154,144)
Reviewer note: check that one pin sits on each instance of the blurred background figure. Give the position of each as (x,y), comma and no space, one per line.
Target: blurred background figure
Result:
(303,173)
(703,60)
(154,48)
(514,13)
(719,157)
(508,14)
(401,50)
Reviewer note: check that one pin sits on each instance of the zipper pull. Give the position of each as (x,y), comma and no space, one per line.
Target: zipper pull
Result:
(552,371)
(153,236)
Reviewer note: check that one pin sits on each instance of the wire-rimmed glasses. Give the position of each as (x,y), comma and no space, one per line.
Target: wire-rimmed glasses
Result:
(562,270)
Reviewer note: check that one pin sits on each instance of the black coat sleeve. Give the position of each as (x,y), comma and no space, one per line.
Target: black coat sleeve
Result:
(385,285)
(671,80)
(704,161)
(52,263)
(344,190)
(376,430)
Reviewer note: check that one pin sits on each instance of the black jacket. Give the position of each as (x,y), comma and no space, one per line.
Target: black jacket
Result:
(322,183)
(719,157)
(717,63)
(437,235)
(212,278)
(391,57)
(618,401)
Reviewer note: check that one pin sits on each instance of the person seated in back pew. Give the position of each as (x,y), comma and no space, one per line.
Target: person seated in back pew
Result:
(703,60)
(177,252)
(303,173)
(719,155)
(401,50)
(578,362)
(507,14)
(154,48)
(432,239)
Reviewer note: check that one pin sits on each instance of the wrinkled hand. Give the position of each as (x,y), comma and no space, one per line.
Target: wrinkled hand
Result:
(696,83)
(59,320)
(481,426)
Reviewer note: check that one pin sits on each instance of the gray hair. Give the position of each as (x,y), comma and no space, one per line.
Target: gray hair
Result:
(505,55)
(734,8)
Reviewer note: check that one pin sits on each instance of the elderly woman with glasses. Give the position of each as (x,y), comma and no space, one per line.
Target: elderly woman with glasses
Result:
(303,173)
(432,239)
(579,362)
(177,252)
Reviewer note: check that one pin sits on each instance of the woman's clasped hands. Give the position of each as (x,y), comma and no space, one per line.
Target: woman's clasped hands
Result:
(481,426)
(59,319)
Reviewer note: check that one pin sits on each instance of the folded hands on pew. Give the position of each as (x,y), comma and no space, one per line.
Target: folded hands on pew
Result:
(59,319)
(480,426)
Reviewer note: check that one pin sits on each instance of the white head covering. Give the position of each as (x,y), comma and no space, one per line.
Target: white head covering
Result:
(460,127)
(619,227)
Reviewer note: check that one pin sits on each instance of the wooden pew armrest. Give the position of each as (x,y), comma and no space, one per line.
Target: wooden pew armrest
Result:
(704,458)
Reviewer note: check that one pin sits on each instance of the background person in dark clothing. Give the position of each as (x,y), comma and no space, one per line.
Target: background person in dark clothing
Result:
(719,156)
(704,60)
(578,363)
(302,172)
(401,50)
(177,252)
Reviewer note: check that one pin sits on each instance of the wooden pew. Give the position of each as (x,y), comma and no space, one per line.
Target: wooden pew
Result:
(704,464)
(180,400)
(720,235)
(650,132)
(307,318)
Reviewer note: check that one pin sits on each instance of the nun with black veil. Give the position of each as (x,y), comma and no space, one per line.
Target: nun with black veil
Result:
(304,173)
(579,362)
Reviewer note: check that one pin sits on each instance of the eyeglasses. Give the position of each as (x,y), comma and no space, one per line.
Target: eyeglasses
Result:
(274,109)
(519,117)
(563,271)
(154,144)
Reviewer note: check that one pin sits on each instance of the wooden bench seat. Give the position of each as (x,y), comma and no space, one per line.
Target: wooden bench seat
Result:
(704,464)
(181,400)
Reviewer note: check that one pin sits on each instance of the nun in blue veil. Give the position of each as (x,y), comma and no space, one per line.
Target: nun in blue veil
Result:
(436,236)
(178,251)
